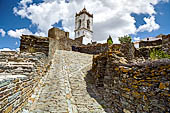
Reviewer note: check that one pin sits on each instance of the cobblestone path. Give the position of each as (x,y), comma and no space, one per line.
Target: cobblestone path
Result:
(65,89)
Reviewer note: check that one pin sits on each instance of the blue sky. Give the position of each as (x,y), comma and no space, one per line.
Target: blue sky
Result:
(13,21)
(162,18)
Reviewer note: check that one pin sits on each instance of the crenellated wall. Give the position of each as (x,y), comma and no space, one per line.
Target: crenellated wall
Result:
(19,76)
(132,88)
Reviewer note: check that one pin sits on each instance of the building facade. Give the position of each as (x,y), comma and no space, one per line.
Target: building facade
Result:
(84,26)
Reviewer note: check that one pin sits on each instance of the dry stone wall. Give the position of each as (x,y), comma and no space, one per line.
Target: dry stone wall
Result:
(91,49)
(132,88)
(61,44)
(150,43)
(57,33)
(19,76)
(32,44)
(166,43)
(161,44)
(59,40)
(145,51)
(128,50)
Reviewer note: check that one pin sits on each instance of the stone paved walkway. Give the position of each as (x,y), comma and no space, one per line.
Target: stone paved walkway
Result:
(65,89)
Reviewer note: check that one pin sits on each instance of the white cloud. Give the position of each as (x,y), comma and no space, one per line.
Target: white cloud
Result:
(17,49)
(136,38)
(22,7)
(2,32)
(40,34)
(24,2)
(18,32)
(102,42)
(6,49)
(110,16)
(165,0)
(149,26)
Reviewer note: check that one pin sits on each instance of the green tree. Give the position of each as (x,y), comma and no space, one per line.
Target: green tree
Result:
(109,40)
(125,39)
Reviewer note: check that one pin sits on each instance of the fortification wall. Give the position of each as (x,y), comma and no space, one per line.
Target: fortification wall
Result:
(150,43)
(59,40)
(91,49)
(161,44)
(128,49)
(19,76)
(132,88)
(166,43)
(57,33)
(32,44)
(145,51)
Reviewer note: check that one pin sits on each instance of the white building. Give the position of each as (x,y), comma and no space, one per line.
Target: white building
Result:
(151,39)
(148,39)
(84,26)
(136,44)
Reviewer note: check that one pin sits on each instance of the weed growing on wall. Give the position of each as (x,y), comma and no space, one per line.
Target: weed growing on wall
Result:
(31,50)
(158,54)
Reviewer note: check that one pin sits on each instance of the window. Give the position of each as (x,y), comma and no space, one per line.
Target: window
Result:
(79,25)
(88,24)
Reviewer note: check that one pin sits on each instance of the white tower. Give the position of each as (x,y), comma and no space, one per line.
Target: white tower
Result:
(84,26)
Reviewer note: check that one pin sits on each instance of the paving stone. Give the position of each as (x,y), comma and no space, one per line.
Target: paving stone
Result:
(65,90)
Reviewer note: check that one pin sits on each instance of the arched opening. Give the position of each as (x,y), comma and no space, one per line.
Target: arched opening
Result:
(88,24)
(79,25)
(78,33)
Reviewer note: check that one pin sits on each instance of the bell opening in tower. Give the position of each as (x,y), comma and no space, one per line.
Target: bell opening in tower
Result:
(88,24)
(79,24)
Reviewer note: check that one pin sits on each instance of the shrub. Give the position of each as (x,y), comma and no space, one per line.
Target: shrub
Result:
(158,54)
(125,39)
(109,40)
(31,50)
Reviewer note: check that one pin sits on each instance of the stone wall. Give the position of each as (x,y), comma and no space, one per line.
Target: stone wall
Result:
(132,88)
(57,33)
(19,76)
(161,44)
(91,49)
(166,43)
(80,39)
(128,49)
(150,43)
(32,44)
(145,51)
(59,40)
(56,40)
(61,44)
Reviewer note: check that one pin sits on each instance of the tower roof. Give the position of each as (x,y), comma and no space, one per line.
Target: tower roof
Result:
(84,11)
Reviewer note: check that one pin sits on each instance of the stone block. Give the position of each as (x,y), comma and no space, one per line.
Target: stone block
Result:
(8,109)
